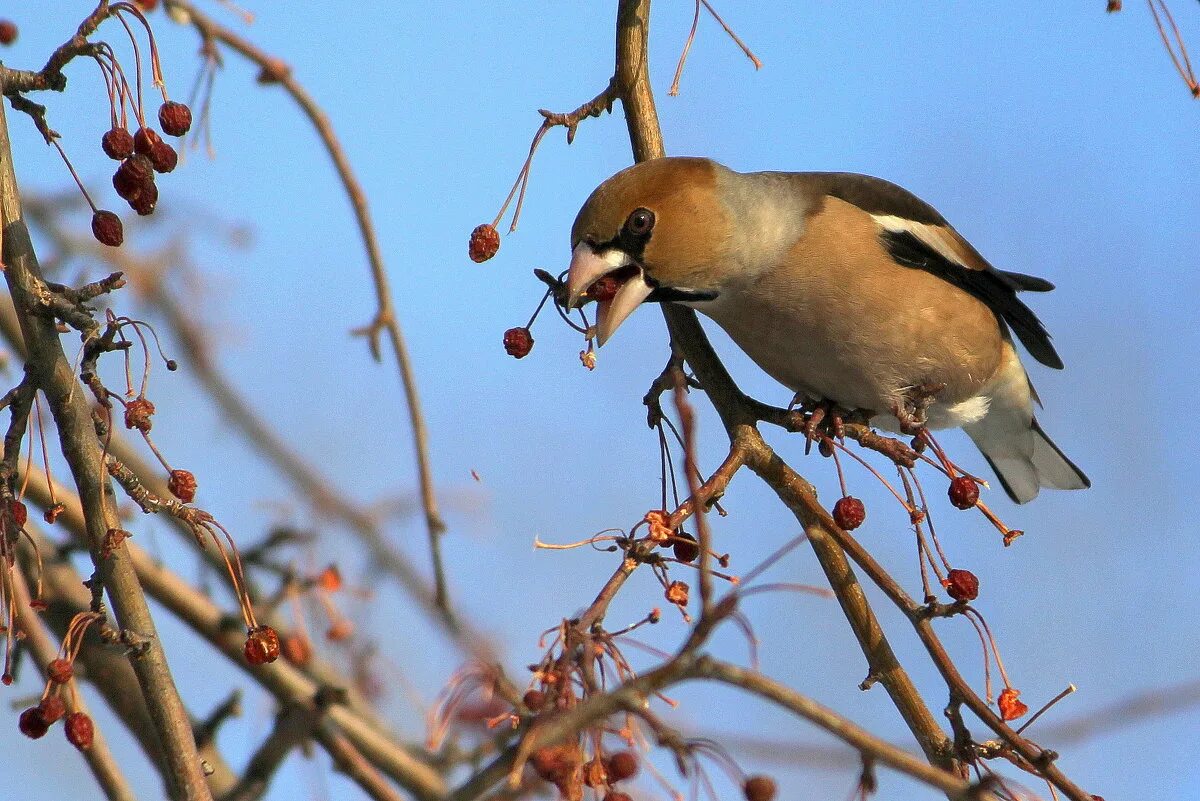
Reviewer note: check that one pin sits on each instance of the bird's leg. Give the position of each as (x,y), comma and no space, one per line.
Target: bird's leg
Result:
(911,408)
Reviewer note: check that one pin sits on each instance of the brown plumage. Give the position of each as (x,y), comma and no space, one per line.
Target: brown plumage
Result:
(842,287)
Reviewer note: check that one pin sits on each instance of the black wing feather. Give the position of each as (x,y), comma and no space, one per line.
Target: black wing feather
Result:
(997,289)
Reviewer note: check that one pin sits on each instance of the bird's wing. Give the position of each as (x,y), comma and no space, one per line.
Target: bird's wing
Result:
(916,236)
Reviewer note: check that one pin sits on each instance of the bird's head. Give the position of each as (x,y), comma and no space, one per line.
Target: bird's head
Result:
(658,228)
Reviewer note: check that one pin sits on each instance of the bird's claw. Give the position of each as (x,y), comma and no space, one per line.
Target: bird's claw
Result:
(912,408)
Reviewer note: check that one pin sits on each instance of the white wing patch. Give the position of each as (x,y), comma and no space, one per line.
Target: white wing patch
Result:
(936,236)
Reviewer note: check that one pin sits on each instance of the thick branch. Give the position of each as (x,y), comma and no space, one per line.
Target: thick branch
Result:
(52,373)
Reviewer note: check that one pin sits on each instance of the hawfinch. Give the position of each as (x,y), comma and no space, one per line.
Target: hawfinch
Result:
(845,288)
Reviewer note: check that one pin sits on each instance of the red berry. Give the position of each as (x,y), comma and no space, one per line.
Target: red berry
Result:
(52,708)
(33,723)
(616,795)
(132,177)
(1113,7)
(849,513)
(964,492)
(137,414)
(144,139)
(174,118)
(622,765)
(534,700)
(262,645)
(518,342)
(759,788)
(80,730)
(59,671)
(107,228)
(145,202)
(8,31)
(117,143)
(18,511)
(147,5)
(604,289)
(182,485)
(961,585)
(163,157)
(685,547)
(485,241)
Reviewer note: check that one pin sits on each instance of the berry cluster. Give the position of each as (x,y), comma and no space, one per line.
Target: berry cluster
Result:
(36,721)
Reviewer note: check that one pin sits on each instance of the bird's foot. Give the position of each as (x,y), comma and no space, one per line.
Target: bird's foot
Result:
(912,408)
(821,419)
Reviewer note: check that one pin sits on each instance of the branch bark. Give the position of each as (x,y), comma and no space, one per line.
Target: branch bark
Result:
(52,374)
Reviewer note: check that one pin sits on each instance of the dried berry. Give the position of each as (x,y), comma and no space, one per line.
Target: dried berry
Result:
(1010,707)
(622,765)
(137,414)
(182,485)
(145,202)
(964,492)
(80,730)
(133,176)
(340,630)
(686,549)
(146,5)
(262,645)
(330,579)
(825,447)
(518,342)
(849,513)
(961,585)
(556,763)
(52,513)
(677,593)
(52,708)
(18,511)
(112,541)
(107,228)
(8,31)
(534,700)
(614,795)
(297,649)
(1113,7)
(594,774)
(274,71)
(32,723)
(163,157)
(759,788)
(59,671)
(485,241)
(144,139)
(588,359)
(117,143)
(174,118)
(660,529)
(604,289)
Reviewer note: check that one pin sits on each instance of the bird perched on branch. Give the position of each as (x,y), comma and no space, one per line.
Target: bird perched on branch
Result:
(845,288)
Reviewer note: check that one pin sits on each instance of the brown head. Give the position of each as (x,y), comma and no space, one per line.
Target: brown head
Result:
(660,228)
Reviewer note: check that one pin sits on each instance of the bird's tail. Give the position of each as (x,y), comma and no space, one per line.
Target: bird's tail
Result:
(1024,458)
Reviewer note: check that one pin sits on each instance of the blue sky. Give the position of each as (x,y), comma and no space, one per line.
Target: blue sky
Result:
(1056,137)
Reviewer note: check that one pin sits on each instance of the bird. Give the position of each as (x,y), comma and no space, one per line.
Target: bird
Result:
(845,288)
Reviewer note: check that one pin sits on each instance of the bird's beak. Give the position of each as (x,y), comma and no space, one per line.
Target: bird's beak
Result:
(588,267)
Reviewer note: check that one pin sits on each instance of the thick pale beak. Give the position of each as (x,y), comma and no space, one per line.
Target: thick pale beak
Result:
(587,267)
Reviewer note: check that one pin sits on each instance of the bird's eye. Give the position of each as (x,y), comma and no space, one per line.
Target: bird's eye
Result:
(640,222)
